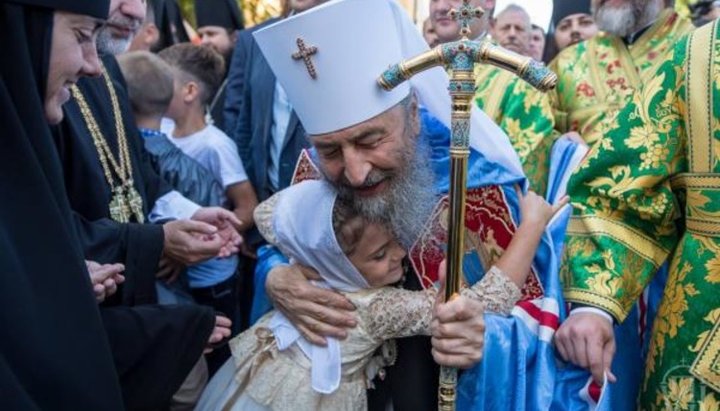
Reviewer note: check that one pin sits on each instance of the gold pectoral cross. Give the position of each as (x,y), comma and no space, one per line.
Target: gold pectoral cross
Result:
(305,53)
(119,209)
(135,203)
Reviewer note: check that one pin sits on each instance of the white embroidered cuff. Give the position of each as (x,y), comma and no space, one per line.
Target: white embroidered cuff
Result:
(580,310)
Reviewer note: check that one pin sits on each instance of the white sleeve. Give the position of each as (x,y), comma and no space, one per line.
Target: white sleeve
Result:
(230,165)
(593,310)
(172,206)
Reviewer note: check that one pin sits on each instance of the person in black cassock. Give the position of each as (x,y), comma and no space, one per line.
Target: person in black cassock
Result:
(54,353)
(218,22)
(112,186)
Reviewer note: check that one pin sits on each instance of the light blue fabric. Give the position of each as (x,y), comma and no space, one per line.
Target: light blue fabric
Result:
(211,272)
(269,257)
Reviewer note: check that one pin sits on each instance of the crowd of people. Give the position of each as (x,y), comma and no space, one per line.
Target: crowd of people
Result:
(232,218)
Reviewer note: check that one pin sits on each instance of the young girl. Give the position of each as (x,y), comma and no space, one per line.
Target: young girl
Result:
(274,368)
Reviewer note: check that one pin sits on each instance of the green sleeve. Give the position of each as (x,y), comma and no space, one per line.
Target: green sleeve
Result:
(623,226)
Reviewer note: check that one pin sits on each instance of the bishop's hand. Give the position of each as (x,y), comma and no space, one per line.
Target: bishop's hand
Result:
(457,329)
(316,312)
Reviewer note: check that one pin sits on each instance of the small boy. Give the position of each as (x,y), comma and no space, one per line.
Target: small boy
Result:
(151,88)
(198,72)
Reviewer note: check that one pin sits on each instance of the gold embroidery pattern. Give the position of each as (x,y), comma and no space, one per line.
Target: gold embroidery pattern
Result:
(630,237)
(707,364)
(670,316)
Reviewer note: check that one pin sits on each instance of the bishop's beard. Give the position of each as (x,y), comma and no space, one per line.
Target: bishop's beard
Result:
(407,202)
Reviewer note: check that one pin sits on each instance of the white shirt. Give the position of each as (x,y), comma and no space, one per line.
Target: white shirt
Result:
(281,119)
(214,150)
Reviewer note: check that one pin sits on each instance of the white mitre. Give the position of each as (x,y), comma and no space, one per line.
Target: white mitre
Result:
(354,41)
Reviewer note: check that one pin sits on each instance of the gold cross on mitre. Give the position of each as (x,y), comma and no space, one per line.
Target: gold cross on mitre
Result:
(465,15)
(305,54)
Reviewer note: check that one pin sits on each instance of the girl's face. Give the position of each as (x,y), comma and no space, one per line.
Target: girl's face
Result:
(378,257)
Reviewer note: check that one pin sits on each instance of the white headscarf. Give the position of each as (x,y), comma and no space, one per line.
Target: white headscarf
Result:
(303,230)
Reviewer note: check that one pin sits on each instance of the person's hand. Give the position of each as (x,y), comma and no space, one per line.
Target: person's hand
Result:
(191,242)
(105,278)
(535,210)
(457,329)
(220,332)
(227,224)
(315,311)
(587,340)
(168,270)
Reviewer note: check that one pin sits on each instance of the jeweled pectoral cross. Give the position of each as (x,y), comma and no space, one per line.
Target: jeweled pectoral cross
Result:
(461,57)
(305,53)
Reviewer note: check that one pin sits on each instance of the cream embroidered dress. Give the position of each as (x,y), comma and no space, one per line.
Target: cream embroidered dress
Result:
(260,376)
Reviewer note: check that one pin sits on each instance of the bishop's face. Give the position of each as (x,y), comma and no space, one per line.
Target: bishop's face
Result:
(366,157)
(377,167)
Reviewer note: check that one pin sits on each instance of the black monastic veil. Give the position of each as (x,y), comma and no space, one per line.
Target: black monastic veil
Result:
(54,353)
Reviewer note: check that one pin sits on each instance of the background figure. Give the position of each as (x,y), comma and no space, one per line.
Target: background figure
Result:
(447,29)
(429,33)
(511,29)
(536,47)
(218,22)
(148,36)
(573,22)
(700,11)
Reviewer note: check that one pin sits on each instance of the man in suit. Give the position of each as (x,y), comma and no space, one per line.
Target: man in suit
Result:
(266,129)
(264,126)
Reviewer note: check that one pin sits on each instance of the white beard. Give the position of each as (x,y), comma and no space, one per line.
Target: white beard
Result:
(407,204)
(628,18)
(107,44)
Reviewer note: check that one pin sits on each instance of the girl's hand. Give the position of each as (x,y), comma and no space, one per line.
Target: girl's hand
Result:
(535,210)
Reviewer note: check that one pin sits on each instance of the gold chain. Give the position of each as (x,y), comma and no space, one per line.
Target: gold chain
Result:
(126,201)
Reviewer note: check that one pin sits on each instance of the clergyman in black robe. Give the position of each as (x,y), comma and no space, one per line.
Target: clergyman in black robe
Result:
(138,246)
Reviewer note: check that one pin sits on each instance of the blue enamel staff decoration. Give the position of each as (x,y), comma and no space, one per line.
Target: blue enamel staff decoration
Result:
(461,57)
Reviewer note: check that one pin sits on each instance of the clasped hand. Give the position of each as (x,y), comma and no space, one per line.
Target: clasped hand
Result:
(105,278)
(212,232)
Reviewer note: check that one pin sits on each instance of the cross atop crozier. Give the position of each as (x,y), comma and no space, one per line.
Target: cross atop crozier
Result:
(465,15)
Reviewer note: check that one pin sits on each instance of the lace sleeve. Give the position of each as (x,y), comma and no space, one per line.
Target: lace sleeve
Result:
(495,291)
(263,216)
(397,313)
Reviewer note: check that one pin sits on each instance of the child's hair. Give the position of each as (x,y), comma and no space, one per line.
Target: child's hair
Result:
(149,82)
(200,63)
(348,227)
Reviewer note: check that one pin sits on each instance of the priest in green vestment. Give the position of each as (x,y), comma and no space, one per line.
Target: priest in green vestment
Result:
(650,192)
(598,76)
